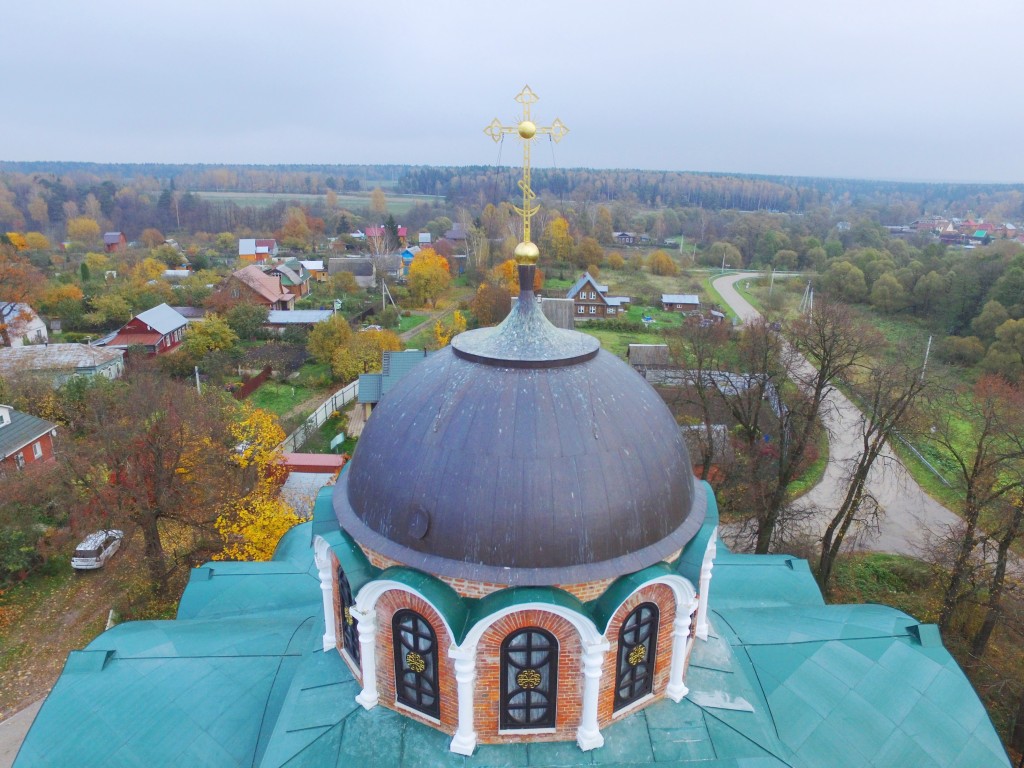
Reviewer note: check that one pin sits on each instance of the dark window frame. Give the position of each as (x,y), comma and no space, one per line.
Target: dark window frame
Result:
(417,684)
(348,623)
(534,696)
(634,669)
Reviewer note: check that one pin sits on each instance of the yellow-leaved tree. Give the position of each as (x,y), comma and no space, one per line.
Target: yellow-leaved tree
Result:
(254,524)
(429,276)
(443,332)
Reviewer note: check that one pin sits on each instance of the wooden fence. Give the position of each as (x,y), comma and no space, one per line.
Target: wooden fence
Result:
(251,385)
(335,402)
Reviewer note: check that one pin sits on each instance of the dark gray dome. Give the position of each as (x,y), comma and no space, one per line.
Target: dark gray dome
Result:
(557,465)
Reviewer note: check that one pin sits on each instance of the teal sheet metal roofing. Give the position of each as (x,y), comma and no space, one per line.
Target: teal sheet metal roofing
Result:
(239,679)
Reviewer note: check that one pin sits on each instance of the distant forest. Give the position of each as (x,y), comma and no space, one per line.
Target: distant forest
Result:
(131,197)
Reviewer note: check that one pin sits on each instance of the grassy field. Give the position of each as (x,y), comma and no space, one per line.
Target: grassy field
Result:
(397,204)
(414,319)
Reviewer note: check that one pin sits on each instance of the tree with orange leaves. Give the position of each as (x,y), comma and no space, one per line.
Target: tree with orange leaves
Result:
(429,276)
(507,275)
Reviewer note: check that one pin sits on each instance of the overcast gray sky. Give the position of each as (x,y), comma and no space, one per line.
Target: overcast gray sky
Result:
(889,89)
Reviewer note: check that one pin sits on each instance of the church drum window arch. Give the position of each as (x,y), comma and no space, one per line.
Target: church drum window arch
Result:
(415,646)
(634,665)
(349,625)
(529,679)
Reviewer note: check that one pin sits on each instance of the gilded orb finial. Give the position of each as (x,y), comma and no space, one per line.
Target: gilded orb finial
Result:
(526,252)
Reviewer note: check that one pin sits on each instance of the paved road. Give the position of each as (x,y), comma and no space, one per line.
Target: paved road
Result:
(911,517)
(12,733)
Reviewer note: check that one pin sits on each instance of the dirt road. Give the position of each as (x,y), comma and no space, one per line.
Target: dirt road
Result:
(911,517)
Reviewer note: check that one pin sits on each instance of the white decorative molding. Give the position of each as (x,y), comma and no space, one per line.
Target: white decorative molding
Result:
(705,585)
(588,735)
(584,626)
(322,558)
(368,697)
(464,741)
(366,600)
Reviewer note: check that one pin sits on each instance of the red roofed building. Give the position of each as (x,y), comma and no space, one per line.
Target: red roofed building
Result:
(255,286)
(257,250)
(159,330)
(115,242)
(379,233)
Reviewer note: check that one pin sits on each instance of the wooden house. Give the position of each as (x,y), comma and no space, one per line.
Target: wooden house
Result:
(592,299)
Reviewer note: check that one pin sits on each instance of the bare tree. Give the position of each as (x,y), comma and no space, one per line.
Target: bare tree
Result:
(978,430)
(826,345)
(1011,528)
(888,397)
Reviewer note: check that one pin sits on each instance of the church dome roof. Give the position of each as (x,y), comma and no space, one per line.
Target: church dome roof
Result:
(521,455)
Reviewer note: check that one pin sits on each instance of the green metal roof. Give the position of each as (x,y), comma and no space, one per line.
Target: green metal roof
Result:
(239,679)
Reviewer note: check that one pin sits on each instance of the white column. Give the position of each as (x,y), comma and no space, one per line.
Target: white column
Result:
(588,736)
(323,560)
(368,697)
(676,687)
(464,741)
(330,620)
(705,586)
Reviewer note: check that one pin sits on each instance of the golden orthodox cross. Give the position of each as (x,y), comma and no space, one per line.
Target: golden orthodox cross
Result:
(526,251)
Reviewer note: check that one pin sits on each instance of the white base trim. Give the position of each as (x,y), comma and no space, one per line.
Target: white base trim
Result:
(676,692)
(367,702)
(463,745)
(588,740)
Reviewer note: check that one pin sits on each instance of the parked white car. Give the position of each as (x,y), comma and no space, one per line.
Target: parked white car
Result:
(96,549)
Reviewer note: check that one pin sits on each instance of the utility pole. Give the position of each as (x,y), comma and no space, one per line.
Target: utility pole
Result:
(927,351)
(198,388)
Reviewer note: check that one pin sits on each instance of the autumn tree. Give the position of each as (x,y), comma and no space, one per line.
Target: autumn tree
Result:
(589,252)
(378,204)
(20,282)
(83,231)
(363,354)
(247,320)
(490,304)
(506,274)
(211,334)
(328,337)
(556,243)
(444,331)
(154,458)
(37,241)
(429,276)
(151,238)
(603,226)
(660,263)
(253,524)
(615,260)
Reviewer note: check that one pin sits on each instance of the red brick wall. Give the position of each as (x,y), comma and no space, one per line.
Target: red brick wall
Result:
(388,605)
(45,442)
(488,677)
(662,596)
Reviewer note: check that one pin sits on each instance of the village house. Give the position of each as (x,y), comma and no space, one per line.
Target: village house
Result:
(380,234)
(592,299)
(294,277)
(680,302)
(24,439)
(257,250)
(159,330)
(115,242)
(251,284)
(317,270)
(361,269)
(60,362)
(20,325)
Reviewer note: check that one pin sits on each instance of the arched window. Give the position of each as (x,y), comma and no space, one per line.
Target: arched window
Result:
(416,663)
(638,640)
(349,625)
(529,679)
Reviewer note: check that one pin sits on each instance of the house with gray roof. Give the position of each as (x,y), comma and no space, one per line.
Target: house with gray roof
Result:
(60,362)
(24,438)
(592,299)
(159,330)
(680,302)
(361,269)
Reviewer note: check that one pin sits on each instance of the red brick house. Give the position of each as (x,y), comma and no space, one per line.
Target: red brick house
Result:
(159,330)
(592,299)
(115,242)
(24,438)
(252,284)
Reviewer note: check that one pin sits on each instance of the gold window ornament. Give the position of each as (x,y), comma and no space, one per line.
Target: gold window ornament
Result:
(528,679)
(415,662)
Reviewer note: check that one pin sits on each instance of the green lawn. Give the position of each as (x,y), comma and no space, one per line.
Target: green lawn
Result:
(320,441)
(279,398)
(406,323)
